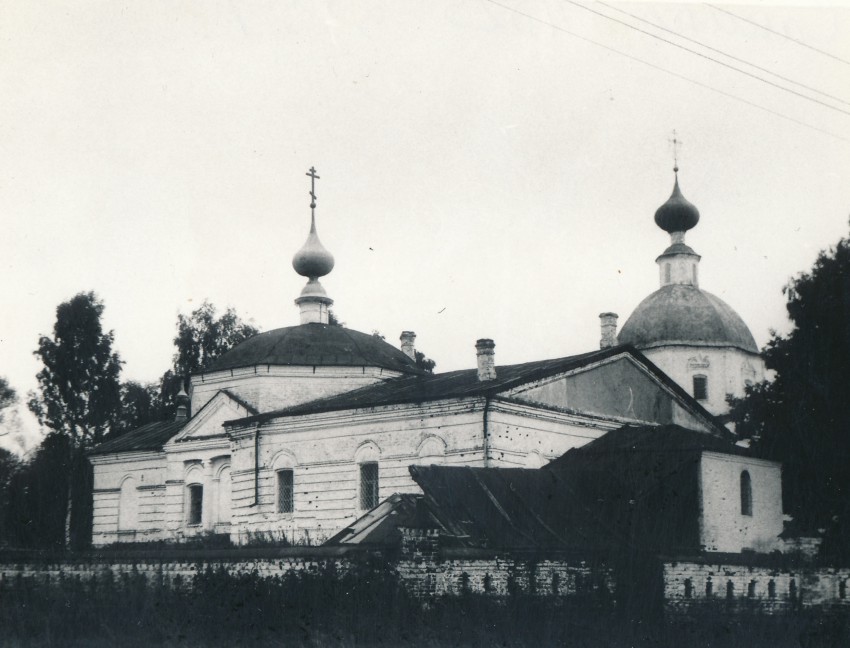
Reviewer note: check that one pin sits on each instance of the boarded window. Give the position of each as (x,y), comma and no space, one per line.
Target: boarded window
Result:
(746,494)
(700,387)
(196,504)
(285,491)
(368,485)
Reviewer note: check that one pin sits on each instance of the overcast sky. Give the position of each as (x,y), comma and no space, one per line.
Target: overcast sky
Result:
(484,173)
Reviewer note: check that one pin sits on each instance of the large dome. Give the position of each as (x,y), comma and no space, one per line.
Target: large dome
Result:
(683,314)
(317,345)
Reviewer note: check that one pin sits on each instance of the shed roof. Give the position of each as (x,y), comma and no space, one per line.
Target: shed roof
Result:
(152,436)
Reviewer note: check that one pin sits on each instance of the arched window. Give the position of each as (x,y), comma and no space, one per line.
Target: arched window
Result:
(128,506)
(369,485)
(224,495)
(666,273)
(746,494)
(285,490)
(195,508)
(700,387)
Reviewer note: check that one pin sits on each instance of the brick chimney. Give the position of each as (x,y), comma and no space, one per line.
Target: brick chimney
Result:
(407,344)
(486,359)
(182,404)
(608,326)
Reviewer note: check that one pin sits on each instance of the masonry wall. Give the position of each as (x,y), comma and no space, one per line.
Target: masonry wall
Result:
(724,527)
(268,388)
(691,586)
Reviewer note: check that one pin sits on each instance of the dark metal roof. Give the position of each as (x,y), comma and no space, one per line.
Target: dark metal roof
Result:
(463,384)
(152,436)
(677,214)
(681,314)
(315,345)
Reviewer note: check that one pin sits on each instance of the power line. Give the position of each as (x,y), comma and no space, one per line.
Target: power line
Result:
(706,56)
(665,70)
(731,56)
(768,29)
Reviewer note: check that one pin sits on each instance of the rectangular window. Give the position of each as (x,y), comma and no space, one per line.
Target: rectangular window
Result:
(285,491)
(196,504)
(368,485)
(700,387)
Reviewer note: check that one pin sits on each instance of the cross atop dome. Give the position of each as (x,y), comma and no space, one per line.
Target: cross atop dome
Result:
(313,261)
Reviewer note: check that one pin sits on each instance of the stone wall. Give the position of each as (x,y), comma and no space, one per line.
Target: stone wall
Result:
(725,586)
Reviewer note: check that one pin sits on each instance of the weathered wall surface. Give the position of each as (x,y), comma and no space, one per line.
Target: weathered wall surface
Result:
(268,388)
(724,527)
(728,371)
(690,586)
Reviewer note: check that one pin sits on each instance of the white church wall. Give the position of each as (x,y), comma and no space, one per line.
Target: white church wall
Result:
(325,452)
(725,527)
(127,498)
(529,437)
(727,371)
(268,388)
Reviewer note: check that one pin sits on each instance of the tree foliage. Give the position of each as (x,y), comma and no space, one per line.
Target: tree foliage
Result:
(202,337)
(8,396)
(802,417)
(79,385)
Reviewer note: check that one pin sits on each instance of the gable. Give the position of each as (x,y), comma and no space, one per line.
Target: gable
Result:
(208,423)
(620,388)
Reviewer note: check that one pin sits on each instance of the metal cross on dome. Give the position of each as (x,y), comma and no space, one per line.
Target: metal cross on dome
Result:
(676,144)
(313,178)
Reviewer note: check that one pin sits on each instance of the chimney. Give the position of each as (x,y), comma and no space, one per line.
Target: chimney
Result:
(486,359)
(608,325)
(407,344)
(182,404)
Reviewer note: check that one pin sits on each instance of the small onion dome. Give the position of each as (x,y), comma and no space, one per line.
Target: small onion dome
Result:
(313,260)
(677,214)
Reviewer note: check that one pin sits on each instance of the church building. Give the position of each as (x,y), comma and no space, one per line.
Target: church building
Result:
(693,336)
(296,433)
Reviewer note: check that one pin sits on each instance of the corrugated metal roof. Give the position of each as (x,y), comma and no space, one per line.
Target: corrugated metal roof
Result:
(464,383)
(152,436)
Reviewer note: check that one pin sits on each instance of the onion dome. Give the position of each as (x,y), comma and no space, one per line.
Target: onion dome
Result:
(313,260)
(677,214)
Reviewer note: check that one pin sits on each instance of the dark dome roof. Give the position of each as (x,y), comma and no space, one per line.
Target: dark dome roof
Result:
(682,314)
(677,214)
(316,345)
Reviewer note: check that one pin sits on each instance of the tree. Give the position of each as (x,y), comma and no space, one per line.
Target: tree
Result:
(79,400)
(140,404)
(79,386)
(802,417)
(8,397)
(424,362)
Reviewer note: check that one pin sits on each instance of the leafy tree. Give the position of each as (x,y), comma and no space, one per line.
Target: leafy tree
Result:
(802,417)
(8,397)
(79,385)
(140,404)
(424,362)
(202,337)
(79,400)
(333,320)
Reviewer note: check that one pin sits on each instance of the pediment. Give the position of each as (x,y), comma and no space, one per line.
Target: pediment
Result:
(208,423)
(621,388)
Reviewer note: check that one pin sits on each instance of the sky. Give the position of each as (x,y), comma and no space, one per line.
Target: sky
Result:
(489,168)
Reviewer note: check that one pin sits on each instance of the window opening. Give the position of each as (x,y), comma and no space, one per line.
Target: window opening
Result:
(751,589)
(771,589)
(746,494)
(689,588)
(700,387)
(730,590)
(842,589)
(368,485)
(285,491)
(196,504)
(709,587)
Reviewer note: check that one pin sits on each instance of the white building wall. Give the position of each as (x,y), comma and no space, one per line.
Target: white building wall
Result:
(146,472)
(723,527)
(268,388)
(728,371)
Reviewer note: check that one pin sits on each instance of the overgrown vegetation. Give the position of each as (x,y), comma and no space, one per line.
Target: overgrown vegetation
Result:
(366,606)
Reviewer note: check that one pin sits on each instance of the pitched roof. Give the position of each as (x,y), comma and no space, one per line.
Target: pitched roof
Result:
(152,436)
(463,383)
(315,344)
(634,440)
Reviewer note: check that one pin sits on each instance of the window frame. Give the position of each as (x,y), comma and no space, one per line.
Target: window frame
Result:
(285,506)
(746,487)
(371,498)
(195,502)
(703,379)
